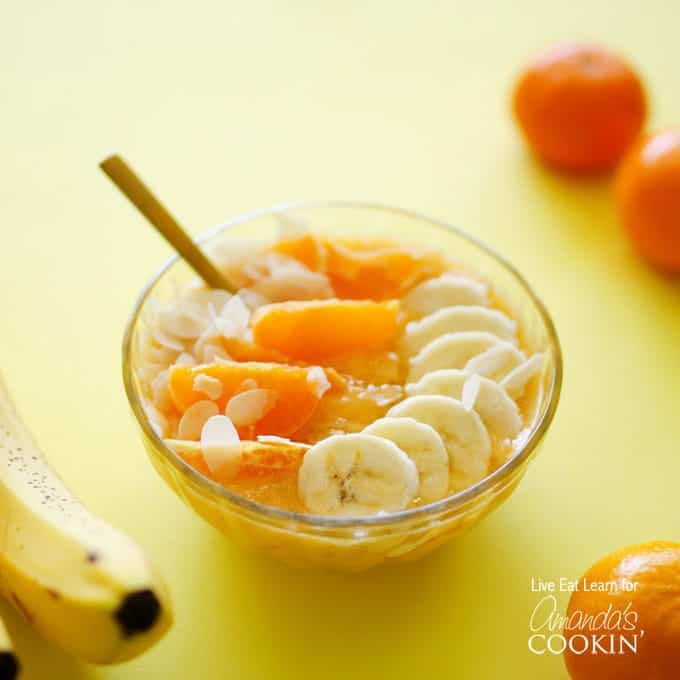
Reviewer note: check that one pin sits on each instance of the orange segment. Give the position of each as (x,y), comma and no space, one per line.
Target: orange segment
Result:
(267,474)
(306,249)
(316,329)
(295,391)
(376,271)
(242,350)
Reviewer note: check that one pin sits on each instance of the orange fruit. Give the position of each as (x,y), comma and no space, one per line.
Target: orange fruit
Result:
(316,329)
(267,473)
(580,107)
(646,593)
(306,249)
(242,350)
(647,194)
(362,269)
(296,392)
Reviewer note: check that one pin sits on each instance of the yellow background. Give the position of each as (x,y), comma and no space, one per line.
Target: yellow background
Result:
(225,107)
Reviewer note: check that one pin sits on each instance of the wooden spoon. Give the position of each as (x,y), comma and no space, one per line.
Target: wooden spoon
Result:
(122,175)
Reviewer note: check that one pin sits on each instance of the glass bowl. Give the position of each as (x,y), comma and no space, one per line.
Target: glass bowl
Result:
(345,543)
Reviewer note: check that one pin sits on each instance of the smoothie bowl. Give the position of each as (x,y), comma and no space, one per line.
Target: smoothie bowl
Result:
(378,383)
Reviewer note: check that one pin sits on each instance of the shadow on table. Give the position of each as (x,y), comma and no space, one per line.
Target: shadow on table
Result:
(583,217)
(414,620)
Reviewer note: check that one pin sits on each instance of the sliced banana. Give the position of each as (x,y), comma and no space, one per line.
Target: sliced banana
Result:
(452,350)
(515,381)
(497,410)
(423,445)
(496,361)
(462,431)
(447,382)
(453,320)
(356,474)
(444,291)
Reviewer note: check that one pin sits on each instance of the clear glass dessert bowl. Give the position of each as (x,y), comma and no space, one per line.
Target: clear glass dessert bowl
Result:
(353,544)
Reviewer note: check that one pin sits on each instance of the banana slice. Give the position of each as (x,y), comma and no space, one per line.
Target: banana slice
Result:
(496,361)
(424,447)
(497,410)
(447,382)
(515,381)
(452,350)
(444,291)
(453,320)
(356,474)
(462,431)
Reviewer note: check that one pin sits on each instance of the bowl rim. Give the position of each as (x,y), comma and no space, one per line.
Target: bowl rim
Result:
(266,512)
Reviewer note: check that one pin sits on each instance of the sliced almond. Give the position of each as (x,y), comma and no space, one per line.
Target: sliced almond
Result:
(160,391)
(221,446)
(234,319)
(471,391)
(210,386)
(249,407)
(186,321)
(317,378)
(165,340)
(191,423)
(186,359)
(248,384)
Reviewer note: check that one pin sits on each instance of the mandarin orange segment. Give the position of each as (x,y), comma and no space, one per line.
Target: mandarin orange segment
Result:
(317,329)
(296,391)
(242,350)
(267,473)
(375,271)
(306,249)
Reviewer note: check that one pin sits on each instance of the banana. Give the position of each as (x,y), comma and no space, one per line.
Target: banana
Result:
(81,583)
(497,410)
(417,334)
(444,291)
(452,350)
(356,474)
(10,667)
(424,447)
(496,361)
(515,381)
(447,382)
(462,431)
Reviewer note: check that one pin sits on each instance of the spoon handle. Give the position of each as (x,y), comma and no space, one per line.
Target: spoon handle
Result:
(122,175)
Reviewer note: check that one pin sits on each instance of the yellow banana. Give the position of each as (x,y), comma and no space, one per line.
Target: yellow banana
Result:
(80,582)
(10,668)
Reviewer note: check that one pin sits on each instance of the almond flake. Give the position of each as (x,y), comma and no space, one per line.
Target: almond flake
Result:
(470,393)
(156,419)
(161,391)
(318,380)
(294,283)
(221,446)
(234,319)
(186,321)
(165,340)
(247,408)
(191,423)
(185,359)
(210,386)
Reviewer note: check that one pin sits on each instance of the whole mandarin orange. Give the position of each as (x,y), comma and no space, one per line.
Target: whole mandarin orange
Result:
(648,198)
(580,107)
(647,599)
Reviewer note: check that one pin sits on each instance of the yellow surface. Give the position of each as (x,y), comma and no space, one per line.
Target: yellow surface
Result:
(225,107)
